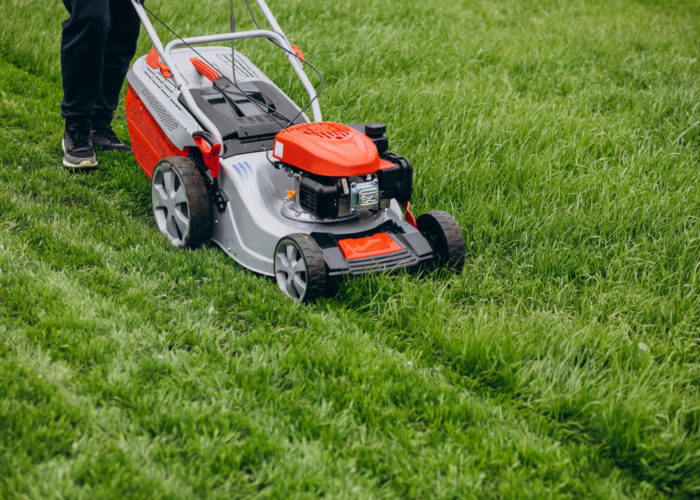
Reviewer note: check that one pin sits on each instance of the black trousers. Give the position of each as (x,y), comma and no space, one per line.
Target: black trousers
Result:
(99,40)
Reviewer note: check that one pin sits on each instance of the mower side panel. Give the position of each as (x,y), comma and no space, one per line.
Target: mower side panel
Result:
(149,142)
(159,96)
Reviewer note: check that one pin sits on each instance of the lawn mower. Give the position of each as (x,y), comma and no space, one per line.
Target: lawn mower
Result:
(234,160)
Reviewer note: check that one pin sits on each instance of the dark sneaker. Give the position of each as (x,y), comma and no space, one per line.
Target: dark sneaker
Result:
(103,137)
(77,146)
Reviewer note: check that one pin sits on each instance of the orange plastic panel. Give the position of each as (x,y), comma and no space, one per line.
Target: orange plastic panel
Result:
(370,246)
(204,69)
(148,141)
(408,215)
(329,149)
(153,60)
(298,52)
(210,154)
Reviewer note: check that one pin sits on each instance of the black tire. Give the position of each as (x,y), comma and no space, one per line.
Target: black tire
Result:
(445,237)
(181,205)
(299,267)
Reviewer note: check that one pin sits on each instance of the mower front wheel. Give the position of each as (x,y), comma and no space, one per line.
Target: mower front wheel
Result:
(445,237)
(181,204)
(299,267)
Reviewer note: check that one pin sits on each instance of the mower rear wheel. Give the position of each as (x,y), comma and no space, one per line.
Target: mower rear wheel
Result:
(299,268)
(445,237)
(181,204)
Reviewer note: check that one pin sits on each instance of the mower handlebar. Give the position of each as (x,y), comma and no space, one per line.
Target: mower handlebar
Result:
(278,39)
(277,36)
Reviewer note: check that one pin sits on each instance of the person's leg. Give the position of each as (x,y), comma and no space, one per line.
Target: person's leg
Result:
(82,51)
(119,49)
(82,55)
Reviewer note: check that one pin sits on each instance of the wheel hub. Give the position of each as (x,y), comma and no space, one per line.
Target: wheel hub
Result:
(290,270)
(170,206)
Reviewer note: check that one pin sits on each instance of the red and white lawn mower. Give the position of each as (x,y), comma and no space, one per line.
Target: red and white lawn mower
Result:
(232,159)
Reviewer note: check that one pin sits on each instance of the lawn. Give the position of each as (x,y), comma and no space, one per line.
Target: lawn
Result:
(563,360)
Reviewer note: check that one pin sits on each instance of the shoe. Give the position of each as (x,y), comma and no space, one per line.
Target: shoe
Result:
(77,146)
(103,137)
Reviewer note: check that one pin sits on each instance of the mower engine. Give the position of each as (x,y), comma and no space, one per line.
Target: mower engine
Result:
(341,171)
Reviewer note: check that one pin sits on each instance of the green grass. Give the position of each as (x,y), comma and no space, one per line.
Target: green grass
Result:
(562,361)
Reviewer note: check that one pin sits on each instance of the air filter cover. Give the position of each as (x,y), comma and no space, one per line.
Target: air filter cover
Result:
(328,149)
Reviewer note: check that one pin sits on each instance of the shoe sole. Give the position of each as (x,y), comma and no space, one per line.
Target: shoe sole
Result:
(83,164)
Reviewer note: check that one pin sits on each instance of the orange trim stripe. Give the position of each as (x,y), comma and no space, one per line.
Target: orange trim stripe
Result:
(369,246)
(153,60)
(298,52)
(204,69)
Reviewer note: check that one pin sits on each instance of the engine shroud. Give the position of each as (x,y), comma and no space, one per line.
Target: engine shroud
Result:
(328,149)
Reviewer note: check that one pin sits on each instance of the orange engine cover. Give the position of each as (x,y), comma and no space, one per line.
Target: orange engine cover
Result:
(329,149)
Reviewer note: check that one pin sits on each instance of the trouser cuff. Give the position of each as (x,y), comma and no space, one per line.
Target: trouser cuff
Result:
(77,120)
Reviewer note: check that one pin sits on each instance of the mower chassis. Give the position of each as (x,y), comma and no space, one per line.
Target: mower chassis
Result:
(251,208)
(252,222)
